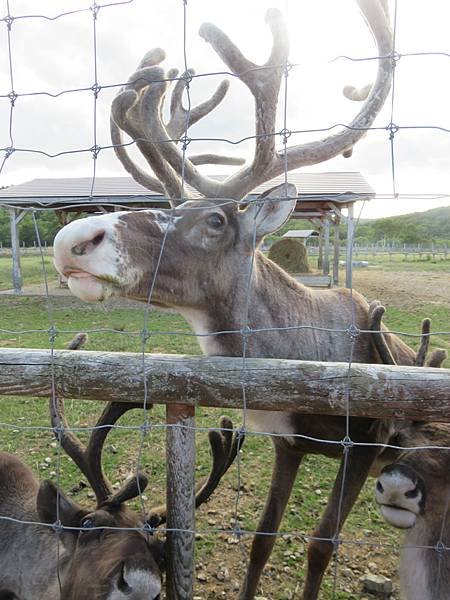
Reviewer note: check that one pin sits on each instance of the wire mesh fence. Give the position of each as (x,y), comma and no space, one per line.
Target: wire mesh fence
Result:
(244,326)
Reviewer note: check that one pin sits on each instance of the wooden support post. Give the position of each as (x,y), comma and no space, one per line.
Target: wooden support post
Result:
(180,456)
(326,246)
(349,256)
(320,251)
(14,219)
(336,251)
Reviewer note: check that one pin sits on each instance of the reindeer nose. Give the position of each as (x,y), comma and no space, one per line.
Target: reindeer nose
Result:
(87,246)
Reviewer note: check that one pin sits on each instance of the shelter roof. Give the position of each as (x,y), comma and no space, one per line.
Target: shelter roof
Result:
(316,190)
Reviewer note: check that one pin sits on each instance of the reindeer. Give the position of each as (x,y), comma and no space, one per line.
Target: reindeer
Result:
(105,553)
(413,494)
(413,490)
(202,259)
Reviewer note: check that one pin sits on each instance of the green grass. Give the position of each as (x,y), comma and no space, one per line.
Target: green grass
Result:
(397,262)
(32,270)
(38,448)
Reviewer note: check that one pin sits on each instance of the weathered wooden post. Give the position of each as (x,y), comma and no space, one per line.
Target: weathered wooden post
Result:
(336,253)
(326,246)
(180,456)
(349,256)
(14,219)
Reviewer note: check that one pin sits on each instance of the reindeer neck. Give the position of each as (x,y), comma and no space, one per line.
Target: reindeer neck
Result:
(273,301)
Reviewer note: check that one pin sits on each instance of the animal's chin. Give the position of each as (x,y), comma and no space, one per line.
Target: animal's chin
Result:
(398,517)
(89,288)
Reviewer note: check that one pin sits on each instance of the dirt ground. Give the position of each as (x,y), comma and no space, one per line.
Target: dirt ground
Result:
(403,289)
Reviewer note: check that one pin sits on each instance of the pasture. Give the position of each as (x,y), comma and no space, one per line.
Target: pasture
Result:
(411,291)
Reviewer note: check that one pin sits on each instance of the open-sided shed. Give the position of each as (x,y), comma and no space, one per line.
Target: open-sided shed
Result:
(325,199)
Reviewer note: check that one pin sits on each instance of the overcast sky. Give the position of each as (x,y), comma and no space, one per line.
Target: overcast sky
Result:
(56,55)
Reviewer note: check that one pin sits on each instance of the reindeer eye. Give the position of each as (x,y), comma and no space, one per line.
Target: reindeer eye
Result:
(216,220)
(87,524)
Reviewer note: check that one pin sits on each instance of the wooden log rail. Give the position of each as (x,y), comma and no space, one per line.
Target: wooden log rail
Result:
(378,391)
(183,382)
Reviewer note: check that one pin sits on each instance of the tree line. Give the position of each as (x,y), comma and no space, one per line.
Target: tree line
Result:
(431,226)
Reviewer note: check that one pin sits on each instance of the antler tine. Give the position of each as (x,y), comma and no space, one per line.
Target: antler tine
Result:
(376,15)
(264,83)
(180,118)
(424,344)
(88,459)
(215,159)
(376,312)
(437,358)
(137,110)
(224,445)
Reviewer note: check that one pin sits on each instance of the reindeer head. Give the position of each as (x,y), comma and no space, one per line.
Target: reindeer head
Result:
(417,485)
(119,254)
(110,551)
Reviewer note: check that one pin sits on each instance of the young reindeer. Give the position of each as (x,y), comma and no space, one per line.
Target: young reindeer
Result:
(413,494)
(208,261)
(413,490)
(106,553)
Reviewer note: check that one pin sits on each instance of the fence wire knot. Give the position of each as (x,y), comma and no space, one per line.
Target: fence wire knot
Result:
(57,527)
(147,527)
(395,57)
(96,88)
(12,97)
(58,431)
(237,531)
(240,434)
(95,151)
(287,67)
(285,134)
(336,541)
(145,335)
(440,547)
(347,442)
(185,141)
(353,332)
(145,427)
(9,21)
(52,333)
(95,8)
(9,151)
(392,128)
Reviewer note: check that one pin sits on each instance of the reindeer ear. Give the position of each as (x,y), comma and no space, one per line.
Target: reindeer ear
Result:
(271,209)
(69,513)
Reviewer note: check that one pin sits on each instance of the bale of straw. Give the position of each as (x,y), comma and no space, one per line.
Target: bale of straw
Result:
(290,255)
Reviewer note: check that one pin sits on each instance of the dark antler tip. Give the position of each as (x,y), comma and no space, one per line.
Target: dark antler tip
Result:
(226,423)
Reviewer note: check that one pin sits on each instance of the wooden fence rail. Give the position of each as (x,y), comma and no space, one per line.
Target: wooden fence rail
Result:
(183,382)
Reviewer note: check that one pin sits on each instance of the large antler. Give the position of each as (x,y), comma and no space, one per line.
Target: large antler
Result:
(437,357)
(224,447)
(137,110)
(89,458)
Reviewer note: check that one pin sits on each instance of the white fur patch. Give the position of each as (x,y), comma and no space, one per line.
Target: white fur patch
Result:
(414,575)
(270,421)
(143,586)
(209,344)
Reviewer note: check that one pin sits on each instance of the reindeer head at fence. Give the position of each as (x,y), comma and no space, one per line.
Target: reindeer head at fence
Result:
(110,552)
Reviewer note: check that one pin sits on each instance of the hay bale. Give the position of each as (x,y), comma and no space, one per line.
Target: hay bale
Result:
(290,255)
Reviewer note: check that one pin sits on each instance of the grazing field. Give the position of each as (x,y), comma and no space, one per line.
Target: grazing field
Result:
(409,296)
